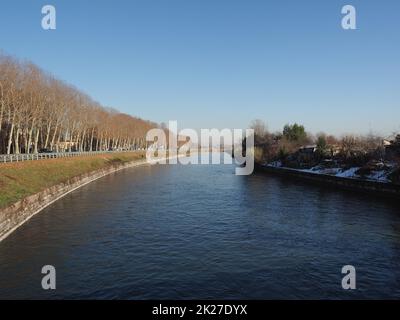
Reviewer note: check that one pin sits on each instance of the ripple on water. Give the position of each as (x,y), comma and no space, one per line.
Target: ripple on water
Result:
(173,232)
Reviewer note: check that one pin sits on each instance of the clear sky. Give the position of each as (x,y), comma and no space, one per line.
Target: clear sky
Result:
(222,63)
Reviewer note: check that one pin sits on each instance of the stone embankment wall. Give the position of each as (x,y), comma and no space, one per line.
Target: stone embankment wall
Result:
(17,214)
(377,188)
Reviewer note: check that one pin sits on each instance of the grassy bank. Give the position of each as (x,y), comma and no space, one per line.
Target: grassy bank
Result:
(20,180)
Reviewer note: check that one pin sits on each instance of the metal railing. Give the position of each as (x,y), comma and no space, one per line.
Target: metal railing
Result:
(6,158)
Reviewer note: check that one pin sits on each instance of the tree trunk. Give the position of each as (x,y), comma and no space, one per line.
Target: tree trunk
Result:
(36,142)
(10,139)
(46,142)
(91,140)
(16,141)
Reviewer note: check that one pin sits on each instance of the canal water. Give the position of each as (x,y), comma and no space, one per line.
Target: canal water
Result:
(201,232)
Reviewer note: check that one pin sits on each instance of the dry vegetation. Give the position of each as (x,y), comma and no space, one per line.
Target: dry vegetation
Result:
(348,150)
(20,180)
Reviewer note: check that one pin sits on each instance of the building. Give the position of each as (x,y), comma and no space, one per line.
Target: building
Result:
(66,146)
(392,148)
(306,153)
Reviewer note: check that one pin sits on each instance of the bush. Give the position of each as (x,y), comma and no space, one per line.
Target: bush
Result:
(295,133)
(322,147)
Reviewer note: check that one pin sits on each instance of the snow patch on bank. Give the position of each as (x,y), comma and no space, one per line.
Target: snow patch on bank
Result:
(381,176)
(350,173)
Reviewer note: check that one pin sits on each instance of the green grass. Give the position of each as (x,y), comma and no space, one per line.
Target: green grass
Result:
(20,180)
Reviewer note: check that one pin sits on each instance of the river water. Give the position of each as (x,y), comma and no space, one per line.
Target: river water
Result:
(201,232)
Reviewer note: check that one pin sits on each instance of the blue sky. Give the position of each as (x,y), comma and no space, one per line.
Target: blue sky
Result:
(222,63)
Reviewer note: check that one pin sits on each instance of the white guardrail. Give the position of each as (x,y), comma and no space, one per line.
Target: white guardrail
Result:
(5,158)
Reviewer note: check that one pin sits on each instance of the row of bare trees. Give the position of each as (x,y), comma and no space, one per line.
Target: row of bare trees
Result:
(39,112)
